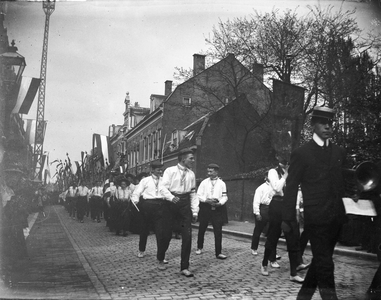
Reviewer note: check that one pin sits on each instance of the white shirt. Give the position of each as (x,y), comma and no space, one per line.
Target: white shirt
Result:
(263,195)
(123,194)
(71,192)
(150,187)
(83,191)
(181,180)
(212,189)
(276,183)
(110,190)
(97,191)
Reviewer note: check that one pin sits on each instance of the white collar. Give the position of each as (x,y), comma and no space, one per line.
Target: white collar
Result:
(182,168)
(320,141)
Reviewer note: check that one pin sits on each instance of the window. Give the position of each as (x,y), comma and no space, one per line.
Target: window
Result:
(187,101)
(174,139)
(149,147)
(154,145)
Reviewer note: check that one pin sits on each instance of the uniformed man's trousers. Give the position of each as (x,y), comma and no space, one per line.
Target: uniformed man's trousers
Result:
(320,275)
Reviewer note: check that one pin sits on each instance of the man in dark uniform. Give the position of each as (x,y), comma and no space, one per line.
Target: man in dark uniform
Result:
(317,166)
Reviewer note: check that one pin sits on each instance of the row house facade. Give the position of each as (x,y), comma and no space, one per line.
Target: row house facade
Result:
(139,143)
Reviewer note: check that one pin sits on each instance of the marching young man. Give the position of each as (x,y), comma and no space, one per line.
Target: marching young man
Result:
(154,209)
(212,196)
(181,183)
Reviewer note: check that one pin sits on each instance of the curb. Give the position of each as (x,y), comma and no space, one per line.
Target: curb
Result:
(338,250)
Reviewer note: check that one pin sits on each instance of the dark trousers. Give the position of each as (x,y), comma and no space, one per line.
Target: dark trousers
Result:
(216,216)
(71,203)
(323,239)
(182,211)
(96,207)
(274,231)
(81,207)
(155,213)
(259,226)
(106,211)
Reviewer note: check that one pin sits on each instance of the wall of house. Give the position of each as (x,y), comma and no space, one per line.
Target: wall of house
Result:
(139,142)
(240,198)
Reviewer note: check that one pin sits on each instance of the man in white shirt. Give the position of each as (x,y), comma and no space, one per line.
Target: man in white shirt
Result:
(70,197)
(181,183)
(261,202)
(154,209)
(82,200)
(212,196)
(96,195)
(277,179)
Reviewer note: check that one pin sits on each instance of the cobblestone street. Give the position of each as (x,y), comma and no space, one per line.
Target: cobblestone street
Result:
(74,260)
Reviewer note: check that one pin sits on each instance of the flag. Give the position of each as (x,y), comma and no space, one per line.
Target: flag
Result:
(30,132)
(26,95)
(102,145)
(78,168)
(45,173)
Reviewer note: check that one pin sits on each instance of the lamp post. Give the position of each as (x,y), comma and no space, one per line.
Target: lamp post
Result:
(12,68)
(13,65)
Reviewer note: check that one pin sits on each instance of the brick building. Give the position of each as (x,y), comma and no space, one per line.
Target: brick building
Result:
(206,91)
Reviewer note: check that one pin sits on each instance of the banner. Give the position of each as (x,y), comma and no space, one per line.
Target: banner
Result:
(26,95)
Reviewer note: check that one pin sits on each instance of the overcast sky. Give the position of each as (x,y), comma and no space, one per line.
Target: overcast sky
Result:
(99,50)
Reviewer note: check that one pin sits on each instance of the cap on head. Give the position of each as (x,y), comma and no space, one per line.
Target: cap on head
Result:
(213,166)
(184,151)
(156,165)
(323,112)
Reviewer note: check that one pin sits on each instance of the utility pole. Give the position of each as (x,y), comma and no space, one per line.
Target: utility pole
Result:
(48,7)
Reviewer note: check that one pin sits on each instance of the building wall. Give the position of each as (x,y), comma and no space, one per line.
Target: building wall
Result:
(210,90)
(144,146)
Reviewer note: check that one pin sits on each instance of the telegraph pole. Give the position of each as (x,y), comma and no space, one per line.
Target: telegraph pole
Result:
(48,7)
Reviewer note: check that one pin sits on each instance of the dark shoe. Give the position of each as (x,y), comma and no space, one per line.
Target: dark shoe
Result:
(124,233)
(221,256)
(99,221)
(117,232)
(187,273)
(177,236)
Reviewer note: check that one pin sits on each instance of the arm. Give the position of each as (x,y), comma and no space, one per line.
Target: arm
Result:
(194,199)
(257,200)
(138,191)
(276,183)
(201,192)
(166,183)
(224,196)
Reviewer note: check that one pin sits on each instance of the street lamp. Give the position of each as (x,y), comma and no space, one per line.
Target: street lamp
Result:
(13,64)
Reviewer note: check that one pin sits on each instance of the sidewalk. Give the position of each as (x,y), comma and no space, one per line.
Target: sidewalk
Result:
(52,269)
(245,230)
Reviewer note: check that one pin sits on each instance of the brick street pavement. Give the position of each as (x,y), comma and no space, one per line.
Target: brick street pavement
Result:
(74,260)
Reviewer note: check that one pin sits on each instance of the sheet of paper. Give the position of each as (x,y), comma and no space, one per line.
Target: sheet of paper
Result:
(362,207)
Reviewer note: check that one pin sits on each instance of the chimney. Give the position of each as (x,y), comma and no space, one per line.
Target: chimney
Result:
(258,71)
(168,87)
(198,63)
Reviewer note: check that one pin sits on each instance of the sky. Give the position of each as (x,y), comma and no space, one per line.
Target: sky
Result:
(99,50)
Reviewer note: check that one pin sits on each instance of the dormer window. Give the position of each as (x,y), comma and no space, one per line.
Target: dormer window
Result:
(187,101)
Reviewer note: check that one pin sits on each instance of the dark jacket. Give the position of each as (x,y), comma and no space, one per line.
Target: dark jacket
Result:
(320,174)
